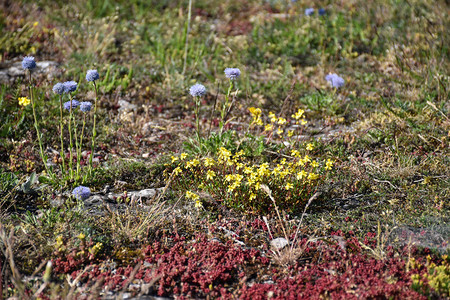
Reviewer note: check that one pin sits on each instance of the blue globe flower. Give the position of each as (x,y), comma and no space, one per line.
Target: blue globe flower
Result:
(58,88)
(335,80)
(75,104)
(197,90)
(92,75)
(70,86)
(81,192)
(322,11)
(232,73)
(309,11)
(85,106)
(28,63)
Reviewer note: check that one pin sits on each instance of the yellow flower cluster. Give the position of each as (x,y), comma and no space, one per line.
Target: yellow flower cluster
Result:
(237,180)
(24,101)
(276,124)
(192,196)
(240,180)
(256,116)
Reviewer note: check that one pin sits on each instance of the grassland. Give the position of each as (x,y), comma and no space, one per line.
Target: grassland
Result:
(355,179)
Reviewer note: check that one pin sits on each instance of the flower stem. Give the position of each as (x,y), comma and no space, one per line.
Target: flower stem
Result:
(224,106)
(33,104)
(61,135)
(197,121)
(94,132)
(81,143)
(70,140)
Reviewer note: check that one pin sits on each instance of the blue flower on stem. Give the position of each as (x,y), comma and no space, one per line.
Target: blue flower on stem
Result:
(197,90)
(75,104)
(232,73)
(81,192)
(58,88)
(70,86)
(85,106)
(92,75)
(309,11)
(335,80)
(28,63)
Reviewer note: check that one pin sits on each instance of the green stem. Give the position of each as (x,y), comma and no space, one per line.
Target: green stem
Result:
(76,146)
(43,157)
(70,140)
(81,140)
(224,106)
(94,132)
(61,135)
(197,121)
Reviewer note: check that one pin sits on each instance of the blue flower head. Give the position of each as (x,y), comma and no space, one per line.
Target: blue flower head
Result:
(75,104)
(28,63)
(70,86)
(92,75)
(322,11)
(85,106)
(335,80)
(232,73)
(309,11)
(81,192)
(58,88)
(197,90)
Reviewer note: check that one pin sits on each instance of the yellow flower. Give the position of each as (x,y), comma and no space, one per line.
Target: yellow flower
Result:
(208,162)
(198,204)
(248,170)
(288,186)
(224,155)
(191,195)
(177,171)
(306,159)
(280,131)
(314,164)
(256,112)
(298,114)
(35,24)
(192,163)
(328,164)
(24,101)
(183,155)
(313,176)
(229,177)
(302,174)
(252,196)
(295,153)
(303,122)
(259,122)
(310,147)
(290,133)
(81,236)
(210,175)
(281,121)
(268,127)
(174,158)
(271,115)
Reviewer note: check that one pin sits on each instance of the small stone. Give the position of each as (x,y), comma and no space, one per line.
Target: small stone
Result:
(147,193)
(93,200)
(125,105)
(279,243)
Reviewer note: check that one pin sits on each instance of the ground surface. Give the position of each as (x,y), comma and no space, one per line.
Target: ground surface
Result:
(308,191)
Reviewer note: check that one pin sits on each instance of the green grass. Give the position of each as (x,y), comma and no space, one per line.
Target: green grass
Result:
(387,130)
